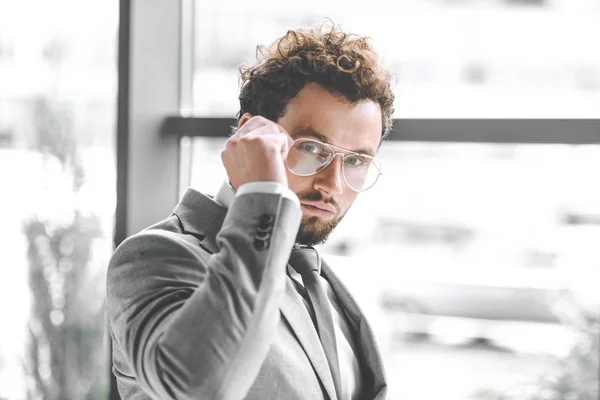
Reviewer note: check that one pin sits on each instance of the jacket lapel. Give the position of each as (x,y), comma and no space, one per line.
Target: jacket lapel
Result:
(371,362)
(296,314)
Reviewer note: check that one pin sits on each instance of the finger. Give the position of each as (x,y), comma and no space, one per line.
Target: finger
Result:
(253,123)
(282,142)
(268,131)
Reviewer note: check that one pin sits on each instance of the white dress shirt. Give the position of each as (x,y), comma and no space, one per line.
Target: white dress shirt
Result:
(347,354)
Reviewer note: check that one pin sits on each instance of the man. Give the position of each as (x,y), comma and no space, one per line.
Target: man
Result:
(226,298)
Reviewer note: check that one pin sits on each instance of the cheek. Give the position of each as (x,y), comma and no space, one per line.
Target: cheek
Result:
(298,183)
(347,199)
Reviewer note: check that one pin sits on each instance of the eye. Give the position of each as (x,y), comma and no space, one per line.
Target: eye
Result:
(355,161)
(312,148)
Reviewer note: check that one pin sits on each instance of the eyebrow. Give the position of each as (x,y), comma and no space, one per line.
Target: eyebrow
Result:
(309,131)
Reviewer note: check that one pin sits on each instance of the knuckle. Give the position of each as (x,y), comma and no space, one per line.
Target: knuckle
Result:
(273,147)
(247,139)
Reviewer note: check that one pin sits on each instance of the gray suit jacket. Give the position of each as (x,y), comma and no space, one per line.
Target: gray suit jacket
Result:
(200,307)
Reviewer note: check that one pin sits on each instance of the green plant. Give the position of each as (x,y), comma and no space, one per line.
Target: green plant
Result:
(574,377)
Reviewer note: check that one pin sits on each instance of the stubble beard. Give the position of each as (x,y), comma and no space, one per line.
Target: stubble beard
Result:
(314,230)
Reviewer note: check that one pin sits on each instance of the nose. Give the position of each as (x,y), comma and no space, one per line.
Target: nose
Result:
(330,180)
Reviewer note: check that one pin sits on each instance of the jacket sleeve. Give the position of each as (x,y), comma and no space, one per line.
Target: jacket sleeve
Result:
(199,327)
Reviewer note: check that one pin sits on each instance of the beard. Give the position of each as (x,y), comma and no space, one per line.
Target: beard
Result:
(314,230)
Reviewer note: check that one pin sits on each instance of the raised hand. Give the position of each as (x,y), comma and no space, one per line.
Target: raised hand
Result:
(256,152)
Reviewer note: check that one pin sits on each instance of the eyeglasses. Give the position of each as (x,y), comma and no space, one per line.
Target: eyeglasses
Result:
(309,156)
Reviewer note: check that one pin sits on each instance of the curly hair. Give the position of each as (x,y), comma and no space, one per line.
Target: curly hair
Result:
(342,63)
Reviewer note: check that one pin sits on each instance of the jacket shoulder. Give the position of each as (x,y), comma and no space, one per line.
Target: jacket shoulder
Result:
(161,239)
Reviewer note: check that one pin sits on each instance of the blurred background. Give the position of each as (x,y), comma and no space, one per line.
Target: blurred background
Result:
(481,257)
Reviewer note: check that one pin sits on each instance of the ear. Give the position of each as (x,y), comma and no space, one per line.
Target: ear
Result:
(245,118)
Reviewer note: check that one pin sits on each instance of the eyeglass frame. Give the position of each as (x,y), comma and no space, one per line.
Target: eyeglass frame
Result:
(376,162)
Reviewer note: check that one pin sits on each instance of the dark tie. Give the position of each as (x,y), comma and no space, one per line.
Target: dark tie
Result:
(306,261)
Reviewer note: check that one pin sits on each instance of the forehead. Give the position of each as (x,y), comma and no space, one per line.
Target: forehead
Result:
(317,113)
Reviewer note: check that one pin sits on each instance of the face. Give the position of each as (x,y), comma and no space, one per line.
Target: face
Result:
(325,197)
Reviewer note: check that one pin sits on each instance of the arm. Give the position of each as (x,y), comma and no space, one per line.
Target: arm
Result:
(198,327)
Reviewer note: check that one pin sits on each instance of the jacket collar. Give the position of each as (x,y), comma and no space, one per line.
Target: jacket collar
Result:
(205,225)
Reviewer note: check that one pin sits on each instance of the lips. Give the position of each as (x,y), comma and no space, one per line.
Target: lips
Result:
(320,206)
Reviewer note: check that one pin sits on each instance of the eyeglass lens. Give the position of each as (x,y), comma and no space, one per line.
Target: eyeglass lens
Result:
(307,157)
